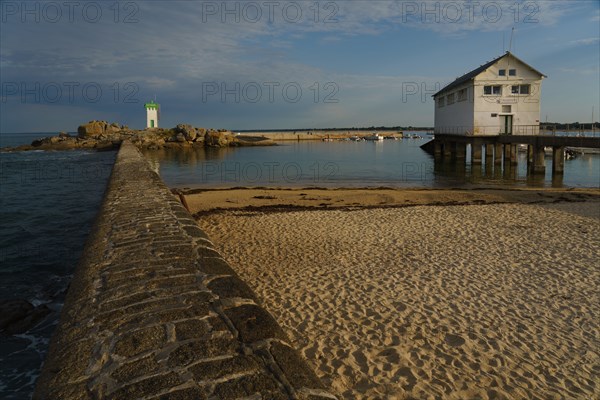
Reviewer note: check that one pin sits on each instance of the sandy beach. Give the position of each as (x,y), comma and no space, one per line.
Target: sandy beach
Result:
(425,294)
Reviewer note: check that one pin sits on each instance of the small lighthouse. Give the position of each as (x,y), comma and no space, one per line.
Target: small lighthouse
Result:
(152,114)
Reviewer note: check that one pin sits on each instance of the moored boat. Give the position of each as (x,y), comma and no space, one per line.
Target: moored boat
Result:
(374,137)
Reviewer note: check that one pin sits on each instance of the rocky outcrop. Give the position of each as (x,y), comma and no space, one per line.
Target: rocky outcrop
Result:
(18,316)
(98,128)
(102,135)
(218,138)
(189,133)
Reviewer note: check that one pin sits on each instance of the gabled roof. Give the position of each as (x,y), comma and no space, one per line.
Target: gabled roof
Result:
(470,75)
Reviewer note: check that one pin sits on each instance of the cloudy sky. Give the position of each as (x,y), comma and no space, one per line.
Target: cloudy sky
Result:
(277,64)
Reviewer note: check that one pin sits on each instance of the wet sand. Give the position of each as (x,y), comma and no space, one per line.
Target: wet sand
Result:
(210,201)
(425,294)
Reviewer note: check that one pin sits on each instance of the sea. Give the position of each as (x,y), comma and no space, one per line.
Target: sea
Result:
(48,201)
(388,163)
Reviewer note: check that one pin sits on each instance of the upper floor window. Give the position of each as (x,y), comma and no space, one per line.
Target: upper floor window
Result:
(520,89)
(462,94)
(450,98)
(440,101)
(490,90)
(512,72)
(502,72)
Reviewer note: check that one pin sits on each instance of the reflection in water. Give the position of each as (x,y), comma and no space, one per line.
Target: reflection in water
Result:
(398,163)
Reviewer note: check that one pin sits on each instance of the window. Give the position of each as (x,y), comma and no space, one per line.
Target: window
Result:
(462,94)
(502,72)
(492,90)
(506,109)
(512,72)
(520,89)
(441,101)
(450,98)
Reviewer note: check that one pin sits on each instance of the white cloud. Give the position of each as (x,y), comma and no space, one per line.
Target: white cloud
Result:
(449,17)
(586,41)
(580,71)
(155,82)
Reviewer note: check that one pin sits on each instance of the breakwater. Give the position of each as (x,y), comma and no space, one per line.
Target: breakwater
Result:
(153,311)
(322,134)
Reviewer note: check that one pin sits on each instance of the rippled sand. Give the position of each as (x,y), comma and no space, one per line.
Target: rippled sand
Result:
(457,302)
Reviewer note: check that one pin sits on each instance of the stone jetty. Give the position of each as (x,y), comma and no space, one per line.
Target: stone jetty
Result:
(154,312)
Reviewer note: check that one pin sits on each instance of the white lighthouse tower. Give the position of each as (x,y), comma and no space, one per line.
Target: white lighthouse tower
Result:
(152,114)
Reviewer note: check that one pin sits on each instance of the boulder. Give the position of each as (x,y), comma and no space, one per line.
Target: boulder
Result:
(45,140)
(92,128)
(200,136)
(106,145)
(63,135)
(114,127)
(218,139)
(189,132)
(96,128)
(18,316)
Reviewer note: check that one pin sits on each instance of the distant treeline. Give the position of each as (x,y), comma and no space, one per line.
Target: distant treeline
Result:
(369,128)
(561,126)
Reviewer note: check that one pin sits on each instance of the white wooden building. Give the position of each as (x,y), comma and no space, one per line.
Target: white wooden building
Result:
(501,97)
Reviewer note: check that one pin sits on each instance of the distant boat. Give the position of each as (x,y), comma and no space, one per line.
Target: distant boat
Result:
(356,138)
(374,137)
(583,150)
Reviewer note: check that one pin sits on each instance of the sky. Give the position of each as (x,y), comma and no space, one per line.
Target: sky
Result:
(244,65)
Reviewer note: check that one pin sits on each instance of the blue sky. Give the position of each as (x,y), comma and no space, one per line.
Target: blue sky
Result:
(262,65)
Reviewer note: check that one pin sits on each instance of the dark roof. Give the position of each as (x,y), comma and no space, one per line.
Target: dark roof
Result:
(470,75)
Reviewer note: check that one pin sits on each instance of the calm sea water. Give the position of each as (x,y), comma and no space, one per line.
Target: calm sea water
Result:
(393,163)
(48,201)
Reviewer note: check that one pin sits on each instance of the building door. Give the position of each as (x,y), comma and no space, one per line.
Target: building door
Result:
(151,123)
(506,124)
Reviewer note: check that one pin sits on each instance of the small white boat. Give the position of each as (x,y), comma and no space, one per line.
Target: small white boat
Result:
(374,137)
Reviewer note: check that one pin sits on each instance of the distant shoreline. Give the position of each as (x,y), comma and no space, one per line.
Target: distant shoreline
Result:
(319,134)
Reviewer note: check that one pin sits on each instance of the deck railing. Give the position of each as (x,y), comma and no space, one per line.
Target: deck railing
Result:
(491,130)
(523,130)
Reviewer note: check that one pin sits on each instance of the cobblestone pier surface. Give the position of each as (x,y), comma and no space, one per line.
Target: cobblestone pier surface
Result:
(154,312)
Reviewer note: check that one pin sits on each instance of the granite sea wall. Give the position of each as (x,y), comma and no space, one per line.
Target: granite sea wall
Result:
(154,311)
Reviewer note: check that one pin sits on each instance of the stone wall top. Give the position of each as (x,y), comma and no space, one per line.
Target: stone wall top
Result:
(154,312)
